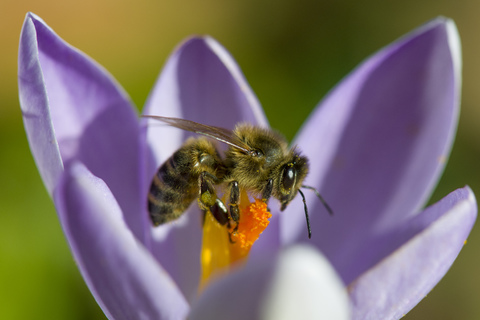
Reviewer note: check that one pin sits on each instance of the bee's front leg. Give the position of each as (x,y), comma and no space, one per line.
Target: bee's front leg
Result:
(267,191)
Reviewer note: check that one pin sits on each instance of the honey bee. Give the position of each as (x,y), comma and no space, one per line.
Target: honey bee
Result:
(257,160)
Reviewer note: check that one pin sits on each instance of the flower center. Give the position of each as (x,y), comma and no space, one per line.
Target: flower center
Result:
(221,251)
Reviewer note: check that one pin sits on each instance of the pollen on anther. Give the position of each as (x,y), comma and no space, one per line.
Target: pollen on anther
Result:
(223,248)
(254,219)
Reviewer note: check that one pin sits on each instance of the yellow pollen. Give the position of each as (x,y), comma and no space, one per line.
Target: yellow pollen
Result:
(221,251)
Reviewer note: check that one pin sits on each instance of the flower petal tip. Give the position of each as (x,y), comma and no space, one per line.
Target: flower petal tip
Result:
(402,279)
(472,200)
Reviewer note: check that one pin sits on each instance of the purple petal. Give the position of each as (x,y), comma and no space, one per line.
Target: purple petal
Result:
(378,144)
(125,279)
(200,82)
(431,242)
(34,103)
(298,284)
(73,109)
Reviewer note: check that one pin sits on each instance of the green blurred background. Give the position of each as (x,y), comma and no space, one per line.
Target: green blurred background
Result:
(292,53)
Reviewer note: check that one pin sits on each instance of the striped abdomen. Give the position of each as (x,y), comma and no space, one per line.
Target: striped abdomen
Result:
(176,183)
(174,187)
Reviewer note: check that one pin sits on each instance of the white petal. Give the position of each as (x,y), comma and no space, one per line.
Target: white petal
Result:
(297,284)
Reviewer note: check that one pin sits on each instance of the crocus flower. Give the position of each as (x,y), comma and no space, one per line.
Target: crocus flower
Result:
(377,145)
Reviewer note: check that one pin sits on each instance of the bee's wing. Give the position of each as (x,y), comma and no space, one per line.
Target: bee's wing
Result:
(217,133)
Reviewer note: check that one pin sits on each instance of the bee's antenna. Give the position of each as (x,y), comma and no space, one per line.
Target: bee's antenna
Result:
(325,204)
(306,214)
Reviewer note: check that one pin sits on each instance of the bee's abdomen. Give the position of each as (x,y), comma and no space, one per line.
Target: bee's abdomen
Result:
(173,188)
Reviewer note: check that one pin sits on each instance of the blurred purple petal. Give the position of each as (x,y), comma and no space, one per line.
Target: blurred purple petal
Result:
(124,278)
(433,239)
(384,135)
(200,82)
(72,106)
(298,284)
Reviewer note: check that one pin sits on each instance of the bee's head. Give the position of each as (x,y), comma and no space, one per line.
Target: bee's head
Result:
(291,177)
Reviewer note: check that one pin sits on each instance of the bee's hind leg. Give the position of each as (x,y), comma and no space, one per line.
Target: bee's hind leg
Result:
(220,212)
(208,200)
(207,194)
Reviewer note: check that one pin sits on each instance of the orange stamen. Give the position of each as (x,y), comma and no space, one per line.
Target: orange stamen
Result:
(253,220)
(218,254)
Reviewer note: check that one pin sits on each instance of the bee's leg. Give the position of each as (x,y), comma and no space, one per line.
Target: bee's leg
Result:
(218,208)
(208,196)
(220,212)
(267,191)
(234,200)
(234,211)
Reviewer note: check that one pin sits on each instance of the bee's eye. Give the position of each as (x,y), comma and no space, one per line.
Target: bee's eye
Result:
(289,176)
